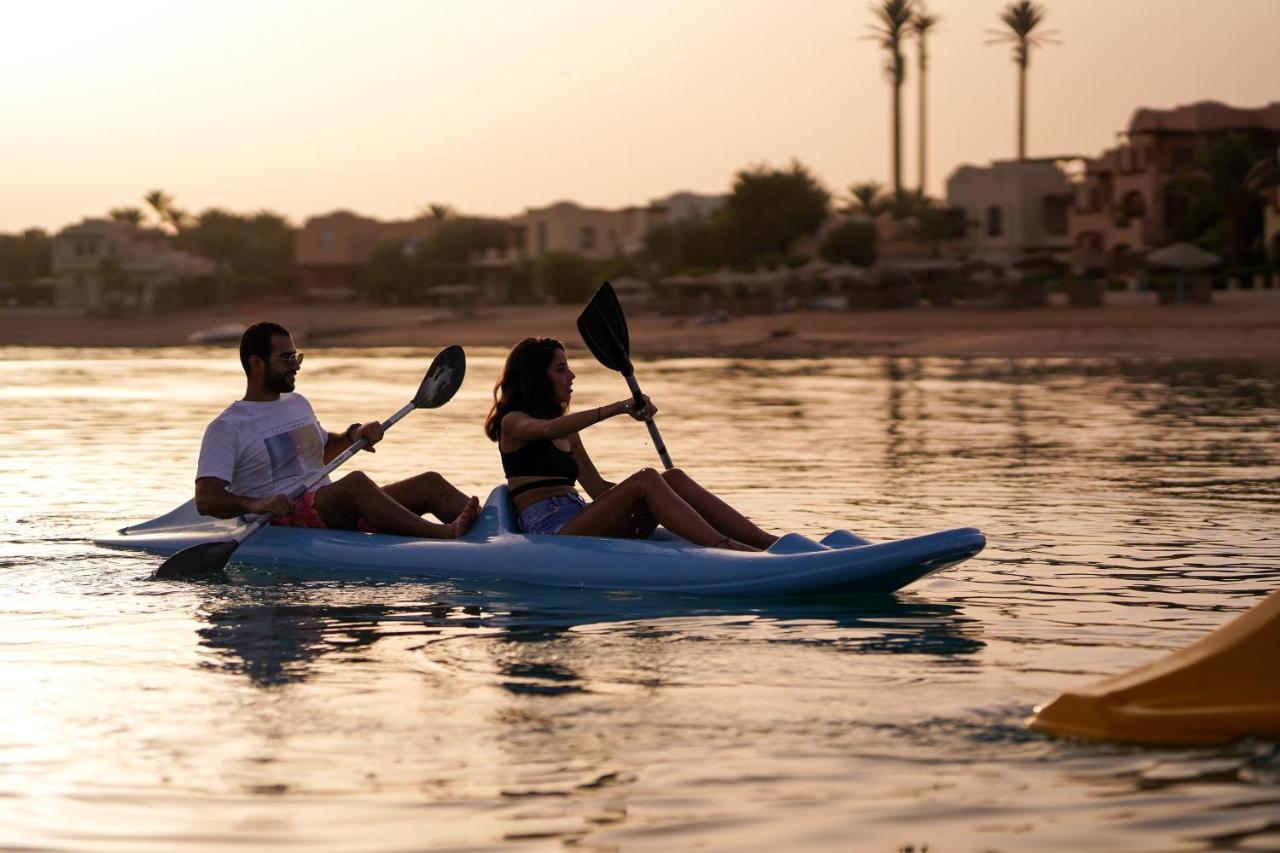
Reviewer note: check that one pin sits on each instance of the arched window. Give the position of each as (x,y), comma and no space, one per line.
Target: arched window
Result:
(995,221)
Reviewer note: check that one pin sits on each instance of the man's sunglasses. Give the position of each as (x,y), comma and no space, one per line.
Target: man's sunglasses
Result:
(293,359)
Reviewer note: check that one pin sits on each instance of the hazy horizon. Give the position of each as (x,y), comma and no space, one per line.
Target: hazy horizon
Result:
(493,107)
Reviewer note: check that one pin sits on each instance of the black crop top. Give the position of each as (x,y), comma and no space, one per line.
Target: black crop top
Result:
(541,458)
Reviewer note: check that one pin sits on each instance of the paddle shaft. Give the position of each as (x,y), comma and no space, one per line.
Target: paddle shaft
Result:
(301,489)
(648,422)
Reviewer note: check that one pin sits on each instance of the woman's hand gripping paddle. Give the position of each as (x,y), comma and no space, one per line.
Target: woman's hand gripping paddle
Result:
(604,330)
(443,379)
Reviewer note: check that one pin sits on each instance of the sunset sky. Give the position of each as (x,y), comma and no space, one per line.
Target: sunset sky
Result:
(493,106)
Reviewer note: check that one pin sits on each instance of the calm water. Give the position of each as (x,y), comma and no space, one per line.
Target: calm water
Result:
(1130,508)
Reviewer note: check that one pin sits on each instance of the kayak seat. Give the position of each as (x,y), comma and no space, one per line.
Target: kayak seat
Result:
(498,515)
(795,543)
(843,539)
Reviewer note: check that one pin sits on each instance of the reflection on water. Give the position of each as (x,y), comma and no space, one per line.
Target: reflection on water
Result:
(268,635)
(1129,508)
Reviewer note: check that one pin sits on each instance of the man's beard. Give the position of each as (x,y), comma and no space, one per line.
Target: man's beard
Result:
(278,383)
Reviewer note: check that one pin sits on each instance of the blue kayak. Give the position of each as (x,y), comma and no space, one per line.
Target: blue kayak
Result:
(494,549)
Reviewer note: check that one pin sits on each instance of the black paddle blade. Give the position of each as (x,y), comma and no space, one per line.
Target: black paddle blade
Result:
(603,327)
(203,560)
(443,379)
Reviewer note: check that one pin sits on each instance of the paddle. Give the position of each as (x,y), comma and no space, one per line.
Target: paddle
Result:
(604,329)
(443,379)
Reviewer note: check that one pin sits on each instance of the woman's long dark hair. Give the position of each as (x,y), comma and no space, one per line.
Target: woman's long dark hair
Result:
(524,385)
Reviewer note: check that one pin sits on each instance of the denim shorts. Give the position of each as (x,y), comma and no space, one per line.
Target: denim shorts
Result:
(550,514)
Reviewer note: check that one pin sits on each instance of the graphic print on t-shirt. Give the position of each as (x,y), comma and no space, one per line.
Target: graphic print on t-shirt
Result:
(294,452)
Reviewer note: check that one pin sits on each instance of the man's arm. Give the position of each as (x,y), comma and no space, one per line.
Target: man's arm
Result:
(336,442)
(212,498)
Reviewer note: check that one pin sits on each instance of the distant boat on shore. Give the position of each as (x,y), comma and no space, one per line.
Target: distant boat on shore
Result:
(227,333)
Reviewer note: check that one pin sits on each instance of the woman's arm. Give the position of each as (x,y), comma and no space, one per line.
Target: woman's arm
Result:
(519,426)
(588,476)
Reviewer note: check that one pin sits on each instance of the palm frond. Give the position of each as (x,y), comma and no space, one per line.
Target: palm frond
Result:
(1023,20)
(922,22)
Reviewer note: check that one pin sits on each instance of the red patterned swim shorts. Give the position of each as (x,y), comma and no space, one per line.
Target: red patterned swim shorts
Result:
(305,514)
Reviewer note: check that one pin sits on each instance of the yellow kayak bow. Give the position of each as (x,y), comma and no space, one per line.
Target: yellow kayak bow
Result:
(1223,687)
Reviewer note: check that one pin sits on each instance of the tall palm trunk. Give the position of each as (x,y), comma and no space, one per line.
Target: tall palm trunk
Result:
(1022,20)
(924,128)
(921,23)
(897,137)
(1022,110)
(893,19)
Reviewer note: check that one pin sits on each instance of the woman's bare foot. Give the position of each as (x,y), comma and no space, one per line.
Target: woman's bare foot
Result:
(465,519)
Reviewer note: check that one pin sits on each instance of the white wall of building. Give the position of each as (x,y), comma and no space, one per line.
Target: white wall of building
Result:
(1013,205)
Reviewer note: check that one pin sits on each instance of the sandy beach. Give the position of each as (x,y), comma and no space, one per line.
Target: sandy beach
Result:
(1237,325)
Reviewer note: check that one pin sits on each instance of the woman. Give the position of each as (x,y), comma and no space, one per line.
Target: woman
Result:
(543,456)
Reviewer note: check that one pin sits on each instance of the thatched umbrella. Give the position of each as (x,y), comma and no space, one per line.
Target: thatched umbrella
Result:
(724,276)
(847,273)
(1089,259)
(1004,259)
(1128,259)
(1038,261)
(1182,257)
(813,269)
(630,285)
(453,291)
(460,297)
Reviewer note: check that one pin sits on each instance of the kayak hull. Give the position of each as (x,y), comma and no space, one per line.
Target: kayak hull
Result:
(494,550)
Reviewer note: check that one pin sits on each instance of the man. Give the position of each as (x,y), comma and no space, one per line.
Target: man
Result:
(264,445)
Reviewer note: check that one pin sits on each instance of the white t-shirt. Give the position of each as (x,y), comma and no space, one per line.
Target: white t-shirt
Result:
(264,449)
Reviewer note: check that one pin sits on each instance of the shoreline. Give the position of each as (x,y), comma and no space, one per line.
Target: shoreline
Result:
(1237,325)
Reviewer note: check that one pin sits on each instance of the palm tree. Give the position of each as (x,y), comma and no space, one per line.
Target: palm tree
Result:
(177,218)
(1222,195)
(1022,18)
(921,23)
(893,18)
(866,197)
(435,210)
(160,201)
(126,215)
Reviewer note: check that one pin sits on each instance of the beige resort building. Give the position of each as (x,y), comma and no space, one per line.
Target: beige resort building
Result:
(1117,201)
(331,251)
(1121,200)
(1014,205)
(104,266)
(600,233)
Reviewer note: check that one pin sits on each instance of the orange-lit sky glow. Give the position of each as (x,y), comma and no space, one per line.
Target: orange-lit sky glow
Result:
(493,106)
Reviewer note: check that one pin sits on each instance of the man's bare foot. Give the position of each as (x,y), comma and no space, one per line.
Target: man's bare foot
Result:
(465,519)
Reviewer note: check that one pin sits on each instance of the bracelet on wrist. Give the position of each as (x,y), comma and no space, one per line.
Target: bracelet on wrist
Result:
(350,433)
